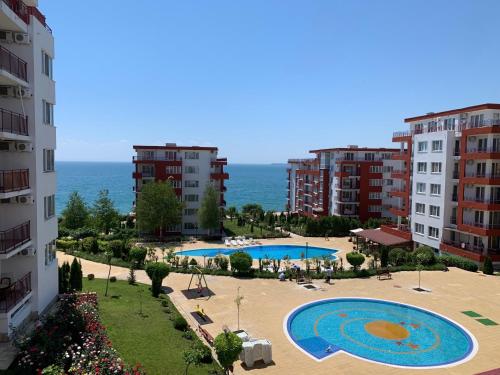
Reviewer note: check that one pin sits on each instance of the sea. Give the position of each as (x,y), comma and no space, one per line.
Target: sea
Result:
(264,184)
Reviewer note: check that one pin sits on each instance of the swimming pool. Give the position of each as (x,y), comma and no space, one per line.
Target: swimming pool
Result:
(379,331)
(266,251)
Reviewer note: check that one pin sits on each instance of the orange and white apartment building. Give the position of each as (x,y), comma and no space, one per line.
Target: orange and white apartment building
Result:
(351,182)
(450,181)
(28,224)
(190,169)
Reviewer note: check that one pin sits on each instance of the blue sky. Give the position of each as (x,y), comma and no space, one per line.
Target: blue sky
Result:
(263,80)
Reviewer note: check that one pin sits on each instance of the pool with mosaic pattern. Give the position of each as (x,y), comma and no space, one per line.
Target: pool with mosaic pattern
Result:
(380,331)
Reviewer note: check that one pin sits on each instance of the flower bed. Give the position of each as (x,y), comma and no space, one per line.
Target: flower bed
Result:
(73,341)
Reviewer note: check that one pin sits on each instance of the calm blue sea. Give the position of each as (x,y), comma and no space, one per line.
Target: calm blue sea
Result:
(264,184)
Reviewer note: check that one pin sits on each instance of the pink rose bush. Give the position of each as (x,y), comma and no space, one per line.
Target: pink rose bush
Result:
(72,341)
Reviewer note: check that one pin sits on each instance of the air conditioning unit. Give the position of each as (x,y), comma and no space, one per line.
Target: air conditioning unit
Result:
(21,38)
(25,199)
(7,146)
(22,92)
(29,251)
(24,147)
(6,36)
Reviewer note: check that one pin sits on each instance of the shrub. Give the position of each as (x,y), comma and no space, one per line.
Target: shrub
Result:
(459,262)
(180,323)
(228,347)
(138,254)
(131,274)
(116,247)
(363,273)
(241,262)
(355,259)
(488,266)
(83,233)
(66,244)
(222,262)
(157,272)
(185,262)
(90,245)
(112,279)
(75,276)
(193,262)
(64,272)
(427,256)
(90,276)
(397,256)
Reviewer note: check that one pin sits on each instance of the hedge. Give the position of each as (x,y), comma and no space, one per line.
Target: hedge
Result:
(459,262)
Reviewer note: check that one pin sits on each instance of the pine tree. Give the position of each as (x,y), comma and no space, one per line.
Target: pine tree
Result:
(75,276)
(104,212)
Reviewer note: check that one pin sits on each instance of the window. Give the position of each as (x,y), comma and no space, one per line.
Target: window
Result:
(421,167)
(48,113)
(436,167)
(191,197)
(48,160)
(435,189)
(419,228)
(191,155)
(190,211)
(191,183)
(173,169)
(374,208)
(422,146)
(374,195)
(191,169)
(370,156)
(46,64)
(437,146)
(50,252)
(50,206)
(433,232)
(190,226)
(420,188)
(434,210)
(176,184)
(420,208)
(449,123)
(170,155)
(375,169)
(375,182)
(349,156)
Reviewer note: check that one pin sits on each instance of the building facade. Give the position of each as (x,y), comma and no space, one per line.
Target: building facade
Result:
(350,182)
(28,224)
(451,181)
(190,169)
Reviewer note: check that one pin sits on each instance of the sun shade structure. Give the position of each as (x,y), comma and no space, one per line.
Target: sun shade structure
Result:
(381,237)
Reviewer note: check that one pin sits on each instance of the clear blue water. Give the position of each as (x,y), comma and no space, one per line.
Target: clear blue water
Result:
(409,337)
(263,184)
(266,251)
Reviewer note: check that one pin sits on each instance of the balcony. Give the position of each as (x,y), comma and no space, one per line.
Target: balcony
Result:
(219,176)
(14,293)
(13,70)
(479,228)
(399,211)
(398,174)
(481,203)
(398,192)
(400,155)
(402,231)
(470,251)
(218,162)
(14,182)
(482,178)
(14,15)
(14,239)
(475,153)
(157,158)
(401,136)
(13,125)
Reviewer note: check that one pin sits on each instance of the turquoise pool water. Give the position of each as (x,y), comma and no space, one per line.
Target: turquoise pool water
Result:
(380,331)
(266,251)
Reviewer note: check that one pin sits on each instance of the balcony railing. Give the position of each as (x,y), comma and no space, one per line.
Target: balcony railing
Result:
(15,123)
(19,8)
(488,200)
(12,238)
(13,64)
(479,150)
(478,224)
(465,246)
(14,180)
(12,294)
(155,158)
(463,125)
(482,174)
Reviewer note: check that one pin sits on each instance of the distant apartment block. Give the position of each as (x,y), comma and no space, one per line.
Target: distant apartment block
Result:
(449,181)
(190,169)
(28,224)
(350,182)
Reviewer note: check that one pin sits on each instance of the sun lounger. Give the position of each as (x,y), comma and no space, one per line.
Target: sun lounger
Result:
(227,242)
(234,243)
(240,242)
(206,335)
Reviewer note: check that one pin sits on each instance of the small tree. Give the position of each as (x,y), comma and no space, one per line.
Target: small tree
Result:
(64,276)
(104,213)
(109,255)
(76,213)
(488,266)
(355,259)
(158,207)
(131,274)
(228,347)
(157,272)
(232,212)
(238,300)
(420,259)
(138,254)
(75,276)
(209,216)
(192,356)
(384,256)
(241,262)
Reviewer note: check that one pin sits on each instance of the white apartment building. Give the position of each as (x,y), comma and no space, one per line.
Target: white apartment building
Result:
(28,224)
(190,169)
(452,163)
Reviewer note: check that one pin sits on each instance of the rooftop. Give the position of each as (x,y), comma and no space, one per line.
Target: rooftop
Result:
(451,112)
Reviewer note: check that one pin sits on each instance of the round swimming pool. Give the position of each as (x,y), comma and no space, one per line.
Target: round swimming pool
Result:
(380,331)
(266,252)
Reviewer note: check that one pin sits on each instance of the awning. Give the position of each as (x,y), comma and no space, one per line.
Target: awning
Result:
(354,231)
(381,237)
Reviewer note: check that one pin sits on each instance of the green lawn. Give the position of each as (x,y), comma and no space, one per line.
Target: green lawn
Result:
(150,339)
(232,229)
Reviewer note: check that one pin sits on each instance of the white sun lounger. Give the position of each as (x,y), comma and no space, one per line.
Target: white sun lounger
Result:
(240,242)
(227,242)
(234,243)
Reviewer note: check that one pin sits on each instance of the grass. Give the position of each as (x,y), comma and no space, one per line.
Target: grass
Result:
(149,339)
(232,229)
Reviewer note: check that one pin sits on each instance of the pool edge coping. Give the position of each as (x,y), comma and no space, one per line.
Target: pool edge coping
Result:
(468,357)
